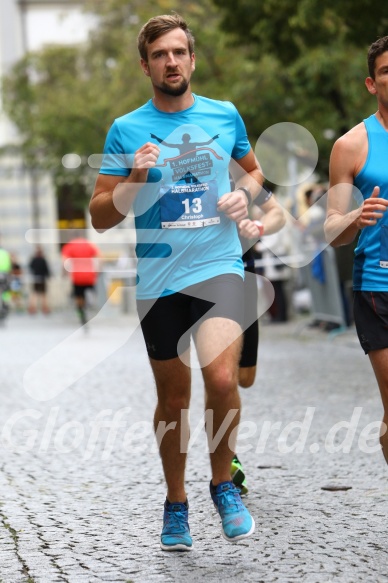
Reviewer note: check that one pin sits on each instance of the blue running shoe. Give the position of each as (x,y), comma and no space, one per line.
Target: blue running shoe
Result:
(176,532)
(237,523)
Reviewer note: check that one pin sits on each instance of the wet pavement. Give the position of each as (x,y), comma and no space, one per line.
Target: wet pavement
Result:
(81,481)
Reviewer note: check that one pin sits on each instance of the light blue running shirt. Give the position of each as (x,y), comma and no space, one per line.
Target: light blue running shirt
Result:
(181,237)
(371,254)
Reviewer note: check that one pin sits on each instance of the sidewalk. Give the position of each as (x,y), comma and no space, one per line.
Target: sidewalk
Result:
(81,481)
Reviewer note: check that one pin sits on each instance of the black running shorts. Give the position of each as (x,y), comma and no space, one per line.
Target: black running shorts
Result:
(166,319)
(371,319)
(79,290)
(251,324)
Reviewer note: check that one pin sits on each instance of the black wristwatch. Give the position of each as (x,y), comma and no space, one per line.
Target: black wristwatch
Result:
(247,194)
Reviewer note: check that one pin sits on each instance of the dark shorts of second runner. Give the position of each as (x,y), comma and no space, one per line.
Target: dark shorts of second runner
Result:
(80,290)
(371,319)
(165,320)
(251,324)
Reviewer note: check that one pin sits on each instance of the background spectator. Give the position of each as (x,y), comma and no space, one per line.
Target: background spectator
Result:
(40,273)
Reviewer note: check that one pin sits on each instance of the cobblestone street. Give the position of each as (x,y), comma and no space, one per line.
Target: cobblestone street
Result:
(81,481)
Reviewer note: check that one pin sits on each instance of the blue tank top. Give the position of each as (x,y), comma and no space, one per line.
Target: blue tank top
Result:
(371,254)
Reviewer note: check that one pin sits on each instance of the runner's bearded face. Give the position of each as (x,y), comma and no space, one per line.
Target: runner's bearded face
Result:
(170,64)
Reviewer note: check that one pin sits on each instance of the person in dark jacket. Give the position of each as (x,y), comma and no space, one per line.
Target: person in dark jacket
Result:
(40,272)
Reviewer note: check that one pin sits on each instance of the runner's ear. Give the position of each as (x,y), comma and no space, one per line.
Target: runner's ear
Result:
(145,67)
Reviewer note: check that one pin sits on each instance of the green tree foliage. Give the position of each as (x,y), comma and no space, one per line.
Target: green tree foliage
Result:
(289,28)
(64,98)
(277,60)
(312,55)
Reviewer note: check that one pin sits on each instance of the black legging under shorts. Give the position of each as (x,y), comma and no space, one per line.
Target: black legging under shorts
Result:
(251,325)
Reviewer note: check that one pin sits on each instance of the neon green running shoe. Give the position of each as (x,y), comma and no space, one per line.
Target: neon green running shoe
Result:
(238,475)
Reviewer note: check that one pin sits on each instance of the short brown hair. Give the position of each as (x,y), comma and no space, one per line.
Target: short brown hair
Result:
(376,49)
(159,25)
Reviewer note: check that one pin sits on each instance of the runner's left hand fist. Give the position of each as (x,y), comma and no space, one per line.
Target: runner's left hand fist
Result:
(234,205)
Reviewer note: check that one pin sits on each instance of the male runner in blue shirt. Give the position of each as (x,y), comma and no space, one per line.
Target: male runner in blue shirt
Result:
(170,161)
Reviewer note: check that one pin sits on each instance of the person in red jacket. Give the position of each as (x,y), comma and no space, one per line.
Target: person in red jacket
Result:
(80,260)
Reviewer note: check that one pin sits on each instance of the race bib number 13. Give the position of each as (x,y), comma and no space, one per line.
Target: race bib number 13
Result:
(189,206)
